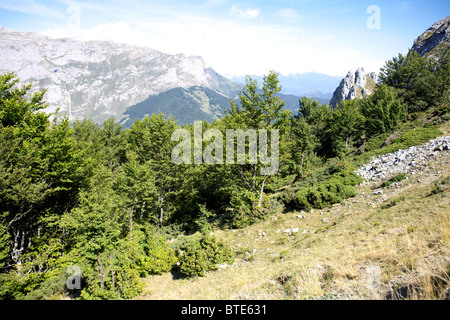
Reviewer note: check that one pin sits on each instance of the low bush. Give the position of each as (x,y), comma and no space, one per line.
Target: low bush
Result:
(198,256)
(333,190)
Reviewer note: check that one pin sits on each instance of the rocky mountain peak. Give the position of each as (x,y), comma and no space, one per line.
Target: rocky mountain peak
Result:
(433,37)
(98,80)
(356,84)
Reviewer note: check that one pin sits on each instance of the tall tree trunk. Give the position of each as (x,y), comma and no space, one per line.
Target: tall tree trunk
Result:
(100,272)
(301,164)
(261,193)
(18,245)
(161,204)
(131,223)
(254,187)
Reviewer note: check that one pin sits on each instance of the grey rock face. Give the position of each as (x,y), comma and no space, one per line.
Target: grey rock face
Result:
(433,37)
(354,85)
(98,80)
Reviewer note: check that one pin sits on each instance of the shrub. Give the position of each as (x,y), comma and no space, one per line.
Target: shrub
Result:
(336,188)
(397,178)
(158,257)
(114,275)
(200,256)
(301,199)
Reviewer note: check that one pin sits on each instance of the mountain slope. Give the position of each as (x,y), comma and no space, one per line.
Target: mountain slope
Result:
(100,79)
(185,105)
(434,37)
(189,104)
(389,243)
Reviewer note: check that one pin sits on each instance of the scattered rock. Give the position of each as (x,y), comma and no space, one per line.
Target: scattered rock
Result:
(291,230)
(409,161)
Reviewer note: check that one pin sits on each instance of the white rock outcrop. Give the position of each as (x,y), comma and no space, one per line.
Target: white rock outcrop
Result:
(355,84)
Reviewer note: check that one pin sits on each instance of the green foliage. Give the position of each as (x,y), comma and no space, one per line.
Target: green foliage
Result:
(303,144)
(4,244)
(422,82)
(337,187)
(157,256)
(114,274)
(202,255)
(257,110)
(17,111)
(102,198)
(344,126)
(383,111)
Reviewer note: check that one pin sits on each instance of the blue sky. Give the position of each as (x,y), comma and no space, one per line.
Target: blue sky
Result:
(242,37)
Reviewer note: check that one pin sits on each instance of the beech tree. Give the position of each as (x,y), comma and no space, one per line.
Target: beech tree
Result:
(257,109)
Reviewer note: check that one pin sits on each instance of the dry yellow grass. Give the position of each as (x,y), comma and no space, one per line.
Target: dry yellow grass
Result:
(360,249)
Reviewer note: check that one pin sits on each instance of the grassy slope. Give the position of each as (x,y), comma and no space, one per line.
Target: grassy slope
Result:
(391,245)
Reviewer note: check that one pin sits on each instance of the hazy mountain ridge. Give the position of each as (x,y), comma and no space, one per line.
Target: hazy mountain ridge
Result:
(185,105)
(308,84)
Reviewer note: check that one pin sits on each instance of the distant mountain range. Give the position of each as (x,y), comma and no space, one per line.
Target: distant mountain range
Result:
(98,80)
(309,84)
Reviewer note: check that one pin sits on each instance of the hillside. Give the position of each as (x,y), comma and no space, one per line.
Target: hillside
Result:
(328,203)
(185,105)
(191,104)
(385,243)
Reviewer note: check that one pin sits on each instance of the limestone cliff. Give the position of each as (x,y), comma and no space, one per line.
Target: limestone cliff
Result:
(433,38)
(356,84)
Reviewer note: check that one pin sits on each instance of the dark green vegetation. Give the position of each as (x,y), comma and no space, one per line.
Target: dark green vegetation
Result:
(194,103)
(107,200)
(199,255)
(185,105)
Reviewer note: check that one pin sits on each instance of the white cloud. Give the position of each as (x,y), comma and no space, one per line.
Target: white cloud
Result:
(232,49)
(244,14)
(117,32)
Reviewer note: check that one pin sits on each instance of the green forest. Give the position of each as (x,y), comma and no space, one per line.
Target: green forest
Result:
(108,200)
